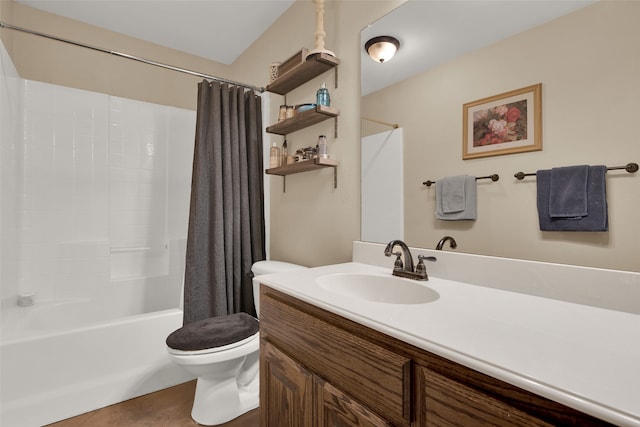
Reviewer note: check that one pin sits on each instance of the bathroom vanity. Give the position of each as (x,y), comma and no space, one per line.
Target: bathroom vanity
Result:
(472,355)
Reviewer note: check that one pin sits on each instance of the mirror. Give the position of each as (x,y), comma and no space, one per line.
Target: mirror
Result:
(452,53)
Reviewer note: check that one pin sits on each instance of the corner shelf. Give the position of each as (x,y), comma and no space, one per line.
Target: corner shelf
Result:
(304,119)
(302,73)
(305,166)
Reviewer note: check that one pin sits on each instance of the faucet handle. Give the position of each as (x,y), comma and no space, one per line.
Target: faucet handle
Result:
(398,265)
(420,268)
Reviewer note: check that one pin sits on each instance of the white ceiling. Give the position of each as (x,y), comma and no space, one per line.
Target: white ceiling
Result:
(435,31)
(430,31)
(219,30)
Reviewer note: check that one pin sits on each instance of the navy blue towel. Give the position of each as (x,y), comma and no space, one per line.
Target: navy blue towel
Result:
(597,218)
(568,192)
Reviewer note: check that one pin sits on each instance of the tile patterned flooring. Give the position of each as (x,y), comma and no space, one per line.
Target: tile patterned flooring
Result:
(165,408)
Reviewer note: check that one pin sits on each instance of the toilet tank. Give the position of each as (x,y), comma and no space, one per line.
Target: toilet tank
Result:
(268,267)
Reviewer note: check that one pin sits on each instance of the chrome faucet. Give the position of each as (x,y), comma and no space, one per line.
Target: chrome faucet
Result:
(407,270)
(452,243)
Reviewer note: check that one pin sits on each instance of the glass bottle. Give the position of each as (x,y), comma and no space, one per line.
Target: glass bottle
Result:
(322,147)
(282,114)
(322,96)
(274,156)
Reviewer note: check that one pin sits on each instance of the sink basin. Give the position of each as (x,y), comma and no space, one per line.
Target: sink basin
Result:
(378,288)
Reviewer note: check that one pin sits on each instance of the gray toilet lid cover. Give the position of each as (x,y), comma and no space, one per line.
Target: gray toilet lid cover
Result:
(213,332)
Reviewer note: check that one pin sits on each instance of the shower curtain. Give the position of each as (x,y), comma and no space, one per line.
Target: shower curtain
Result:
(226,218)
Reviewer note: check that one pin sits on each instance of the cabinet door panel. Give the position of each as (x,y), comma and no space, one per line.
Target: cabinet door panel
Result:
(337,409)
(445,402)
(286,390)
(378,376)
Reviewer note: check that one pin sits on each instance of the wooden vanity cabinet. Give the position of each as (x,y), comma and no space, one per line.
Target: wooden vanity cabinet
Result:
(440,400)
(320,369)
(336,408)
(355,381)
(297,398)
(288,390)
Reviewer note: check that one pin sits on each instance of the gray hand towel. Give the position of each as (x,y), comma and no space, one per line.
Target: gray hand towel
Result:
(452,193)
(568,192)
(597,218)
(470,202)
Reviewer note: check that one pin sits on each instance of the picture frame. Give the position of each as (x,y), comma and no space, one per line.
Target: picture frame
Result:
(507,123)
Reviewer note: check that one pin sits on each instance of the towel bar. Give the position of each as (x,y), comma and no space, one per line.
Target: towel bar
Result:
(493,178)
(629,167)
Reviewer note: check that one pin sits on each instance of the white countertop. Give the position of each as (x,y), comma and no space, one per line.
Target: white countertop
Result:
(585,357)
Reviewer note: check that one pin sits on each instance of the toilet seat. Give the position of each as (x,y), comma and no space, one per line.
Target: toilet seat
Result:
(212,332)
(217,354)
(214,349)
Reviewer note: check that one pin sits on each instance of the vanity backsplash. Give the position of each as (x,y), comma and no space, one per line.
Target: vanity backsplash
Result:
(596,287)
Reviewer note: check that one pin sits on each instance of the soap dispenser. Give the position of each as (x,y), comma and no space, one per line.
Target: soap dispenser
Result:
(322,96)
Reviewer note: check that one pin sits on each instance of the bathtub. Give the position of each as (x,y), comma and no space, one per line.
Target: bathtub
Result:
(52,370)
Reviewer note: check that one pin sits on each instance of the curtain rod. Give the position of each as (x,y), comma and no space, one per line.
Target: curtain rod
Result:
(132,57)
(393,125)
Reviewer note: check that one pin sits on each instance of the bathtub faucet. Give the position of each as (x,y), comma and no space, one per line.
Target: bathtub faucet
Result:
(407,270)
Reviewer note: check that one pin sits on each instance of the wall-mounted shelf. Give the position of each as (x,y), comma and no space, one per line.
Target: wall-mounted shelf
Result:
(305,166)
(298,75)
(302,73)
(304,119)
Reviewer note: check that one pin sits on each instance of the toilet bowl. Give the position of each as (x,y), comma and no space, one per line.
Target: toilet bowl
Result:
(227,384)
(223,353)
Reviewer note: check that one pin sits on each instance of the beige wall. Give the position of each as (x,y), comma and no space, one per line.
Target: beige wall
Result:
(588,64)
(313,223)
(590,92)
(6,15)
(49,61)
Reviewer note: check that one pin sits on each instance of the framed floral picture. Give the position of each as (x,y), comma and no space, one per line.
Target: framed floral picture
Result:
(507,123)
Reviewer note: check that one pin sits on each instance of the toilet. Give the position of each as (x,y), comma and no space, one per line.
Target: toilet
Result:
(223,352)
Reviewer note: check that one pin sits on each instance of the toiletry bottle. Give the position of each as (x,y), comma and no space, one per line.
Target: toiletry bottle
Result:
(285,153)
(282,114)
(322,147)
(322,96)
(274,156)
(291,111)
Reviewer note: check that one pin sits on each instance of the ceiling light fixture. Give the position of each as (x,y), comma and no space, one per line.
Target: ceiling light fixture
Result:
(382,48)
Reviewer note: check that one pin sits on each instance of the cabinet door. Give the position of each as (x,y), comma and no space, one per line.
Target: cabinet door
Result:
(337,409)
(442,401)
(379,377)
(286,390)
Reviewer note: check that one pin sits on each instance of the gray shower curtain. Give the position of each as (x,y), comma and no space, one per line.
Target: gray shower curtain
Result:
(226,218)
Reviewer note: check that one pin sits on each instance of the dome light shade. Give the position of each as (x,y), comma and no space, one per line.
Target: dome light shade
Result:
(382,48)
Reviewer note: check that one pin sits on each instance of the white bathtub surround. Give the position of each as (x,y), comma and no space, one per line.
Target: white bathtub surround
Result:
(123,298)
(578,344)
(11,107)
(44,382)
(103,186)
(93,208)
(382,197)
(67,356)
